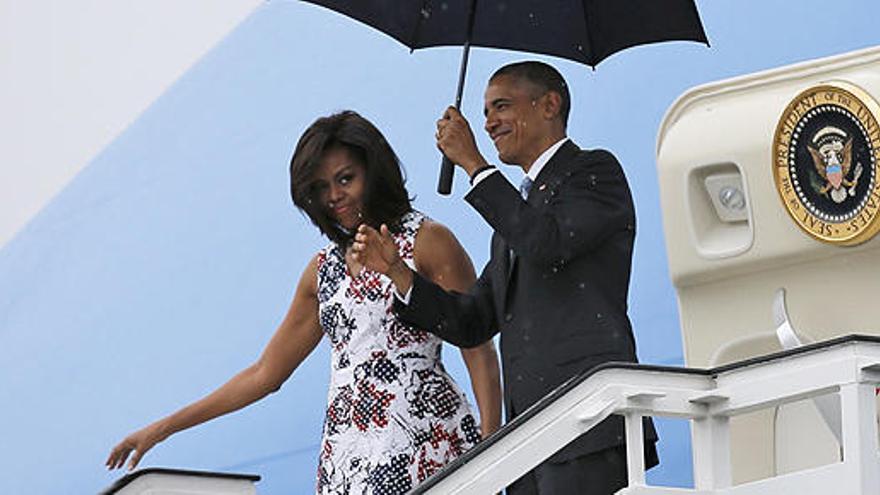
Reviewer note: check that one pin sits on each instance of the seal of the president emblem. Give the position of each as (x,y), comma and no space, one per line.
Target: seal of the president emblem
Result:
(826,153)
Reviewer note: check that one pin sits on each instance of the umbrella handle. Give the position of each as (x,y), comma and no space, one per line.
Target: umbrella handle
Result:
(447,169)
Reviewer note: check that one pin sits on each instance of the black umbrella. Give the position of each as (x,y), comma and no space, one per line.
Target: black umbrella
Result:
(586,31)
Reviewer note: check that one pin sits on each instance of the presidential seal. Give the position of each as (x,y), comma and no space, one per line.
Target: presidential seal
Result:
(826,152)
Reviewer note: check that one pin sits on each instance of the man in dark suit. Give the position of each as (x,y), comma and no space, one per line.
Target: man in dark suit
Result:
(557,280)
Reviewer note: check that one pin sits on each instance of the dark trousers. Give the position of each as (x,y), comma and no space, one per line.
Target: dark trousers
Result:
(599,473)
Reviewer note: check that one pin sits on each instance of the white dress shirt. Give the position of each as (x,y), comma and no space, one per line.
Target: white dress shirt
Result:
(534,170)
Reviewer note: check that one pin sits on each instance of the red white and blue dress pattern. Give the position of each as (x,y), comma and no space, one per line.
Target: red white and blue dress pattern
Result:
(394,415)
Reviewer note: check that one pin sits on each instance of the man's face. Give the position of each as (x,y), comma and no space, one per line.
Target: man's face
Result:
(514,120)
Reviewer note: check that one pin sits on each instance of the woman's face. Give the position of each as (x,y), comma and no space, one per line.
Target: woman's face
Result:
(339,187)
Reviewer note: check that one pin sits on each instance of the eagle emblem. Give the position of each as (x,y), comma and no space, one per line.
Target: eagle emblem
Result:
(826,162)
(832,157)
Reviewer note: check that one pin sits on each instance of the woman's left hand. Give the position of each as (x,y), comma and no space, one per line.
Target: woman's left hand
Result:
(376,251)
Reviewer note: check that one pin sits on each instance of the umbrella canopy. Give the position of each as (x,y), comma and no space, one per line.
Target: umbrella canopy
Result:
(586,31)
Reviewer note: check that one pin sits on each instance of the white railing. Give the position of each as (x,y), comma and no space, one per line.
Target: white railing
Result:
(163,481)
(849,366)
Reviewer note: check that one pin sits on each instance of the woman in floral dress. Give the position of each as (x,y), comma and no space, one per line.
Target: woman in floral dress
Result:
(394,416)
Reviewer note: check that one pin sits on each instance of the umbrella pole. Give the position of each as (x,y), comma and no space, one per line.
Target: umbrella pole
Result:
(447,168)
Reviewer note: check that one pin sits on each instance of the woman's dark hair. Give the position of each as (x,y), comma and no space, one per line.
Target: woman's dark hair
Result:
(385,197)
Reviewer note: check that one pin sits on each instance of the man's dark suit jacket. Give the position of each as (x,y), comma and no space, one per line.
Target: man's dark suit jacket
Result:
(560,300)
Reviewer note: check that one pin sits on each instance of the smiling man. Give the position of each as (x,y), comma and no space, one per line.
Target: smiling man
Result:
(557,281)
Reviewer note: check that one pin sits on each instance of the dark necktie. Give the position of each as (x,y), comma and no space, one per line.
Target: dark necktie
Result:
(525,186)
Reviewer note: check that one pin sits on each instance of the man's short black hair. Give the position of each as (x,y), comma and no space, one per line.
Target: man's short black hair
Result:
(385,197)
(544,77)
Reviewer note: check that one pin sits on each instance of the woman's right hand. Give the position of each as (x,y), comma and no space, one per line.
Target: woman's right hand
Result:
(139,443)
(294,340)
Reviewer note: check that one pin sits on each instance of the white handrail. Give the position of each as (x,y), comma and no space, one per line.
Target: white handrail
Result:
(168,481)
(709,398)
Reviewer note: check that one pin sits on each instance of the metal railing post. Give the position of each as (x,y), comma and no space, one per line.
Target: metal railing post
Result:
(859,429)
(711,452)
(635,449)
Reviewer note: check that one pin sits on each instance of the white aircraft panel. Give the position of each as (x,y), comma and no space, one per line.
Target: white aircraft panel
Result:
(75,74)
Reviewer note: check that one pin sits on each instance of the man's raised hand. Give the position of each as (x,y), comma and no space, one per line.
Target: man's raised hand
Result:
(456,140)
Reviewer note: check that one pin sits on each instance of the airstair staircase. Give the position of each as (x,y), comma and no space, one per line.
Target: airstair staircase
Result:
(708,398)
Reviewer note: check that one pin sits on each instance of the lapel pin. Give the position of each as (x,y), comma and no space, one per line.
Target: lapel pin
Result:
(542,186)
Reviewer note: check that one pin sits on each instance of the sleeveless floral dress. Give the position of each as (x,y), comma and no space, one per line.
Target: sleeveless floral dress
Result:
(394,415)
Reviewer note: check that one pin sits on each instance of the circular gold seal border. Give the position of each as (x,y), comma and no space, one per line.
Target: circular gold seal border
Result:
(863,226)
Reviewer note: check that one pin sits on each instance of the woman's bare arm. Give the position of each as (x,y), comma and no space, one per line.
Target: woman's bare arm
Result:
(293,341)
(439,257)
(482,365)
